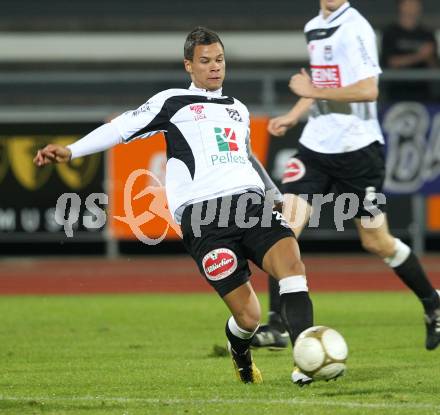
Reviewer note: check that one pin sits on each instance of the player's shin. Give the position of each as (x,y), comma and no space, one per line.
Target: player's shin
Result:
(296,305)
(272,335)
(239,341)
(274,317)
(239,338)
(408,268)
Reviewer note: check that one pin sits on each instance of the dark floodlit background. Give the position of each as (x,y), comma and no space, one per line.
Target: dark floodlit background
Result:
(66,67)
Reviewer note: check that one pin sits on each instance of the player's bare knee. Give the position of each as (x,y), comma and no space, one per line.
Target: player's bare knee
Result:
(248,320)
(296,267)
(370,245)
(388,247)
(382,246)
(291,266)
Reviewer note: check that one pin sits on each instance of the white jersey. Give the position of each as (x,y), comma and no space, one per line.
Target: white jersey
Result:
(207,137)
(343,51)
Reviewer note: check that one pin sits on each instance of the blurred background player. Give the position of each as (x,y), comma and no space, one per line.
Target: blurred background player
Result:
(408,44)
(342,147)
(207,137)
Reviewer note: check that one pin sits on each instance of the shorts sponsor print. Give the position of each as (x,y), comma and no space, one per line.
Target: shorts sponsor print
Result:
(219,264)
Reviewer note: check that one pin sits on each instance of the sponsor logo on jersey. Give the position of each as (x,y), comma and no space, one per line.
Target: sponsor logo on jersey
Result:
(326,76)
(226,139)
(226,158)
(227,146)
(219,264)
(294,171)
(143,108)
(197,110)
(328,53)
(234,114)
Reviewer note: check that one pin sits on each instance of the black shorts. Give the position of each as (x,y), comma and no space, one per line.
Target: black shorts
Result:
(360,173)
(221,248)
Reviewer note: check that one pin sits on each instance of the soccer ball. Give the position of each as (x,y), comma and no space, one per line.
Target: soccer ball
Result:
(320,352)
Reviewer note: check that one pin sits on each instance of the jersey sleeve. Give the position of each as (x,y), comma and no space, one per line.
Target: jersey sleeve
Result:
(147,120)
(361,51)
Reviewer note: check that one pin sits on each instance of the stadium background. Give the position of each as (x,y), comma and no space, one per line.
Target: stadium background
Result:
(66,67)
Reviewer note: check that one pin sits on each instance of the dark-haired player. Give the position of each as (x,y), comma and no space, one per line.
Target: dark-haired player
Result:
(215,193)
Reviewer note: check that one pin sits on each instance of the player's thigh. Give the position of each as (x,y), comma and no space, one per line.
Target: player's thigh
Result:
(359,180)
(297,212)
(259,239)
(271,244)
(283,259)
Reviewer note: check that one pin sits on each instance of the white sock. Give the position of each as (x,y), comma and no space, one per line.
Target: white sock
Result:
(293,284)
(238,331)
(401,253)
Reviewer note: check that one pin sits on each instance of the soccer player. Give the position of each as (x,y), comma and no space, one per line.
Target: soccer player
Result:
(342,146)
(215,193)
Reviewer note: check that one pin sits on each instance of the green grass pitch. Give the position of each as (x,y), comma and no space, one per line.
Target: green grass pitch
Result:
(152,354)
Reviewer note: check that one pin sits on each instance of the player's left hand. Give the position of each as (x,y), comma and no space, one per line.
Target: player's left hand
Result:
(301,84)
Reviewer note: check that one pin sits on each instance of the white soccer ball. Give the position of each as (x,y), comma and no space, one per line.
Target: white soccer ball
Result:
(321,352)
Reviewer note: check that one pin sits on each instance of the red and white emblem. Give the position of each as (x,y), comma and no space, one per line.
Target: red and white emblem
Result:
(294,171)
(219,264)
(197,109)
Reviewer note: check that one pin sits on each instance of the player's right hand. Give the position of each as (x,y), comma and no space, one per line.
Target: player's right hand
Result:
(278,126)
(52,153)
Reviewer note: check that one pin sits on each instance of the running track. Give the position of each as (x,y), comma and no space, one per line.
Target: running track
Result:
(179,274)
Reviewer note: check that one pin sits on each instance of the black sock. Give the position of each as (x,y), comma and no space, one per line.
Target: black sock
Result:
(274,296)
(275,321)
(412,274)
(239,345)
(297,312)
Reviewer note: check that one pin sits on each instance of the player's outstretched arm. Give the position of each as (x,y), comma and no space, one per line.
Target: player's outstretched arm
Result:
(103,138)
(278,126)
(52,153)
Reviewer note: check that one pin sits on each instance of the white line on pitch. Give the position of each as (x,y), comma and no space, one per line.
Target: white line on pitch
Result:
(153,401)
